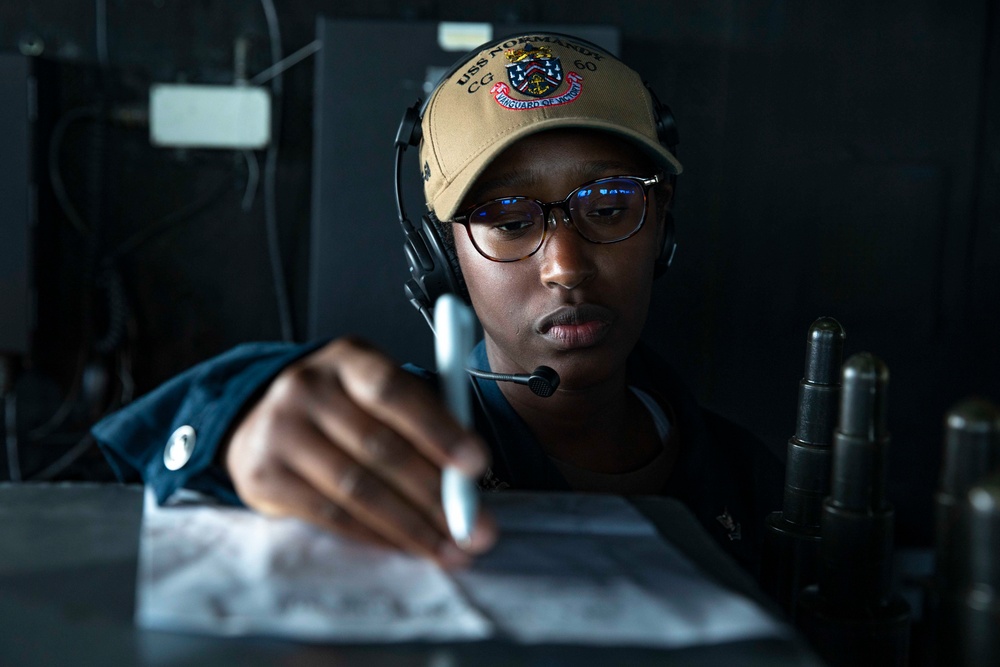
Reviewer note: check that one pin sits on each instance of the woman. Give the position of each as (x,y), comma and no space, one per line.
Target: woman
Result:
(547,180)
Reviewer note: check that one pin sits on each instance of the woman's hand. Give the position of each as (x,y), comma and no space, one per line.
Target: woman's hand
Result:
(347,440)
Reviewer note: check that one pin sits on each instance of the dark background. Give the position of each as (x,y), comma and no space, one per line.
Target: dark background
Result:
(840,159)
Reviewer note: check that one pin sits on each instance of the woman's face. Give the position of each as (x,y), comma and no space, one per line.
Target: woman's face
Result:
(576,306)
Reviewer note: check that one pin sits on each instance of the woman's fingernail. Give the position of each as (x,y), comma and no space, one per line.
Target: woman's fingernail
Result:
(470,458)
(450,555)
(484,536)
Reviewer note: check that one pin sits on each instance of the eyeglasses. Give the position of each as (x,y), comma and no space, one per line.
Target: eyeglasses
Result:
(607,210)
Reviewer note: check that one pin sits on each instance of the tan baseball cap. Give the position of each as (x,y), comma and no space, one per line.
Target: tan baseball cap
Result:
(520,86)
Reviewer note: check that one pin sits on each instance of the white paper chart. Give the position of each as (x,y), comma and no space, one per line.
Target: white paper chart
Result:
(569,568)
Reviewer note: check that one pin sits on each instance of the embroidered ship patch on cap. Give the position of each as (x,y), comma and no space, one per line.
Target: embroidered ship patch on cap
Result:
(535,72)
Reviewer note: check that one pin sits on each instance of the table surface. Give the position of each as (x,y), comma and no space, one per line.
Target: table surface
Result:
(68,561)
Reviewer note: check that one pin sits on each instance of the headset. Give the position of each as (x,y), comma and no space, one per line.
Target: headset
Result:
(434,268)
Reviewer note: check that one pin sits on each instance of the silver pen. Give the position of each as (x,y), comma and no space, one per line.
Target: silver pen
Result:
(454,329)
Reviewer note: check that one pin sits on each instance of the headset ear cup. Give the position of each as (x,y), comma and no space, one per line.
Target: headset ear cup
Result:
(666,256)
(450,265)
(447,276)
(669,137)
(420,264)
(434,268)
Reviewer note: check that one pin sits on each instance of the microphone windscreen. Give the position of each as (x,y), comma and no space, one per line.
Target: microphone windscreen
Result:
(543,381)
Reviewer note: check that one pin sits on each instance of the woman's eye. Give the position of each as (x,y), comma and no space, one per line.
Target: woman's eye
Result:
(511,226)
(606,213)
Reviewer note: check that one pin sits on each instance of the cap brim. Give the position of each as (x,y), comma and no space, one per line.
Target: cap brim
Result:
(450,198)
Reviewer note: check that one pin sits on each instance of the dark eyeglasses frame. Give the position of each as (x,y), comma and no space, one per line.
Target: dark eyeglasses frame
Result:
(563,204)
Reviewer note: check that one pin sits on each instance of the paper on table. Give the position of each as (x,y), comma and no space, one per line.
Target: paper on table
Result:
(568,569)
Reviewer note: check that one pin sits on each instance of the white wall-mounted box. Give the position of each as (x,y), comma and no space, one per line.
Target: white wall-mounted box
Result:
(203,116)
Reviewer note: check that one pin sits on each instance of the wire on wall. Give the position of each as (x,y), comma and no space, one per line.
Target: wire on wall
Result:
(280,67)
(253,179)
(171,220)
(270,178)
(55,173)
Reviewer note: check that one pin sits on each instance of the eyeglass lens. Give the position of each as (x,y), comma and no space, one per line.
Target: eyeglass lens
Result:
(604,211)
